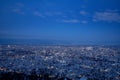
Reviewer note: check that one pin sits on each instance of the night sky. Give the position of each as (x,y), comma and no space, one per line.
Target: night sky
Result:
(67,20)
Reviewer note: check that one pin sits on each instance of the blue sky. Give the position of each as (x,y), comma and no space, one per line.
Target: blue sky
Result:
(70,20)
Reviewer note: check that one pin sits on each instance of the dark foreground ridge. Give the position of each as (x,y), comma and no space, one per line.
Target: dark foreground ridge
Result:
(32,76)
(45,75)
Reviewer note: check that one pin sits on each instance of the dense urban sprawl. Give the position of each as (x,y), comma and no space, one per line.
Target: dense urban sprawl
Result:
(67,62)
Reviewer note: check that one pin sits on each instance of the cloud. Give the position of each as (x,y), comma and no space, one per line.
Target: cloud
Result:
(17,10)
(58,13)
(75,21)
(84,22)
(19,5)
(47,14)
(38,14)
(55,13)
(83,12)
(108,16)
(71,21)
